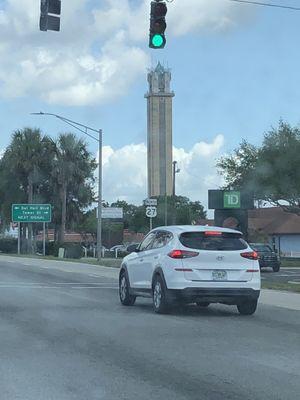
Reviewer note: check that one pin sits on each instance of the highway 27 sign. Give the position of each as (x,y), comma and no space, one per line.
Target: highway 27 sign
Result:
(151,211)
(31,213)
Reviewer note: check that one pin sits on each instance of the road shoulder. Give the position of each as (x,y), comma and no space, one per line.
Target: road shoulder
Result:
(280,299)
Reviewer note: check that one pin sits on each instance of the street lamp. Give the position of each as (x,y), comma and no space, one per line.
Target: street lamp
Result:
(176,170)
(84,129)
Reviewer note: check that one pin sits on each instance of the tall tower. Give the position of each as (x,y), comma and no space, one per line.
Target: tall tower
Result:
(159,109)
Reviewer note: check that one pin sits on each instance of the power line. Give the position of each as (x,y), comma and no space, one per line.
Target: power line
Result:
(258,3)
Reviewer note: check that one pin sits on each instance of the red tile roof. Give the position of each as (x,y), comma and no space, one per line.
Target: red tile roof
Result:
(274,221)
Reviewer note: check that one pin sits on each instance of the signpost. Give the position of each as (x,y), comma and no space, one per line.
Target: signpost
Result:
(232,199)
(151,212)
(112,213)
(150,202)
(31,213)
(231,208)
(151,209)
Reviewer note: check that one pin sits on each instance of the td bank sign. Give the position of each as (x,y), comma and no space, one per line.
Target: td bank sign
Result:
(232,199)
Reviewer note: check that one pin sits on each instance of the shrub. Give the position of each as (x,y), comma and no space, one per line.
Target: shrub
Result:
(73,250)
(9,245)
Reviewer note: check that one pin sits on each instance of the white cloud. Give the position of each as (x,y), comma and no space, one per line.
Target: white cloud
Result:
(125,171)
(98,54)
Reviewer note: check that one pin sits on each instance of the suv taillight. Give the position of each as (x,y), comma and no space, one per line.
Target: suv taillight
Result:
(183,254)
(251,255)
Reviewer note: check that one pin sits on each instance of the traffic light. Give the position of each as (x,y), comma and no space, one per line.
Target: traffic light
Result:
(158,24)
(48,21)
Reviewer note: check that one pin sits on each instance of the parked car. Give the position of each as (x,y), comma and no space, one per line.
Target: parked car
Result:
(192,264)
(266,256)
(131,248)
(119,247)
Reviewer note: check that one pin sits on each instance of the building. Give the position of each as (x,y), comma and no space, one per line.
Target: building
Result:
(159,110)
(274,226)
(279,228)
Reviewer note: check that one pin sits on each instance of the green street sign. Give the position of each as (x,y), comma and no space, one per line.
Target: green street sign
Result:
(232,199)
(31,212)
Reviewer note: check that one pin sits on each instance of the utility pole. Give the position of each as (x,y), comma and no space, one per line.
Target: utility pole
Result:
(84,129)
(175,171)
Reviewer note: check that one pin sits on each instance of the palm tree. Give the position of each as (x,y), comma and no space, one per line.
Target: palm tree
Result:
(29,158)
(72,175)
(30,154)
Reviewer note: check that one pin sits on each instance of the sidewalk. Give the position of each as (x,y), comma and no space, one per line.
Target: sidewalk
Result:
(280,299)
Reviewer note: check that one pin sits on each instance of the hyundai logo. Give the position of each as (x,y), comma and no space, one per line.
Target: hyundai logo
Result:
(220,258)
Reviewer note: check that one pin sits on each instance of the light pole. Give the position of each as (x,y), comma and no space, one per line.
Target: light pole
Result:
(175,171)
(84,129)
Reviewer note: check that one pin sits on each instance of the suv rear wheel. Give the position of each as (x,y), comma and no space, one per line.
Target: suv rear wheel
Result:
(159,294)
(125,297)
(247,307)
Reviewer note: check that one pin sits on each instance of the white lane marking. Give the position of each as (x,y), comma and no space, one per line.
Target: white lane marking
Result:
(95,287)
(294,282)
(20,283)
(54,287)
(85,283)
(72,294)
(26,287)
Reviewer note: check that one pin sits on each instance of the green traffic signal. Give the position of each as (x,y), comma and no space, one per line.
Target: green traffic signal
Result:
(157,40)
(158,24)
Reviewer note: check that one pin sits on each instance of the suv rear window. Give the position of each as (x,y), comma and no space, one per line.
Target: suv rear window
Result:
(202,241)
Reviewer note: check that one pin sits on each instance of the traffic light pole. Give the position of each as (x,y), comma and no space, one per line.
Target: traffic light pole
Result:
(99,224)
(84,129)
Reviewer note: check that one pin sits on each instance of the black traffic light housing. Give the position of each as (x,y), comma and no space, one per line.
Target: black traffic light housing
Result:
(158,25)
(48,21)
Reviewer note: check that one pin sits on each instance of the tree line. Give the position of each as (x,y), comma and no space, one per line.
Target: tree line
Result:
(35,168)
(271,171)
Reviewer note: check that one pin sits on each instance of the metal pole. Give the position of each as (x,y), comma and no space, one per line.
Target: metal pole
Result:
(19,238)
(99,225)
(174,176)
(174,192)
(151,224)
(44,239)
(166,209)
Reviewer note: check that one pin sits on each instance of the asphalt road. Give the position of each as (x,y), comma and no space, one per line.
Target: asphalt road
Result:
(64,335)
(285,275)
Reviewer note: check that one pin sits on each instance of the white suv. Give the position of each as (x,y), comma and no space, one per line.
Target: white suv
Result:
(192,264)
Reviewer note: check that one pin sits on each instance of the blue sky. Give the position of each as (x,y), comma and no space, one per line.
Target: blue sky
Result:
(235,81)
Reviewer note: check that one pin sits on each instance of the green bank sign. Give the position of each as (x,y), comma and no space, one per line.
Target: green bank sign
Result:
(31,213)
(232,199)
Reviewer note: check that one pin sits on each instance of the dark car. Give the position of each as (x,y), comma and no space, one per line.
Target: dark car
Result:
(267,257)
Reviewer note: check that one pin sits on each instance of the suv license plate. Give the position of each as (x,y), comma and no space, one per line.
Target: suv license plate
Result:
(219,275)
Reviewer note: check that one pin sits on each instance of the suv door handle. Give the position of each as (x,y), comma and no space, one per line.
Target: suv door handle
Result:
(141,259)
(156,257)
